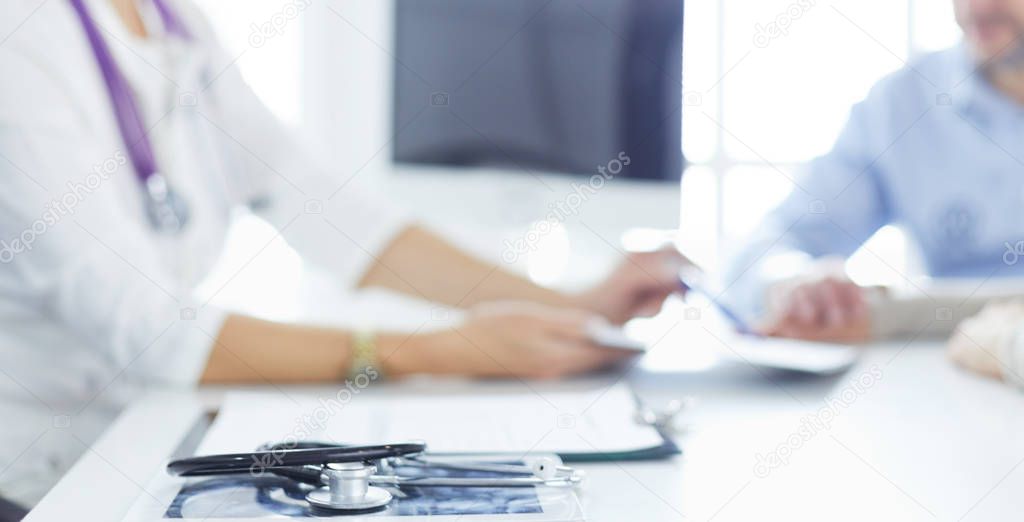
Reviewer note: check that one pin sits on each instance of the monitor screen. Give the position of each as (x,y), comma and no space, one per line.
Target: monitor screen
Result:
(536,85)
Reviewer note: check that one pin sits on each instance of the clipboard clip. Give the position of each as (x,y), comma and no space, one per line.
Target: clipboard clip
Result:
(665,418)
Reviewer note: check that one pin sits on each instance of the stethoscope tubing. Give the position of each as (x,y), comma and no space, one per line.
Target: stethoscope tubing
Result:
(231,463)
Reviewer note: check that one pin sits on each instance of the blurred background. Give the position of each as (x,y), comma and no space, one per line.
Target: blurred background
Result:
(765,85)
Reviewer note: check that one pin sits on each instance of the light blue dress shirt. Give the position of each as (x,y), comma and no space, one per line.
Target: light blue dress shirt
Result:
(935,149)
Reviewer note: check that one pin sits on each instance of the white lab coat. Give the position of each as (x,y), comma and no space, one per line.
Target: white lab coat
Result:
(94,305)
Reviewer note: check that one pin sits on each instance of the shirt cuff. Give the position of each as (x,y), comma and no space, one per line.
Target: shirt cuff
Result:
(343,234)
(364,235)
(178,357)
(1013,358)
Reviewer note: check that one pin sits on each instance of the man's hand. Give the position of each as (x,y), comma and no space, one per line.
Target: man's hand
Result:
(509,339)
(637,287)
(824,307)
(980,342)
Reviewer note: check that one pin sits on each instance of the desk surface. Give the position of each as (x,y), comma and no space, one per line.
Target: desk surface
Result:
(901,436)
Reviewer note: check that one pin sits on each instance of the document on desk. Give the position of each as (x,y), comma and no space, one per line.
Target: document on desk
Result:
(592,425)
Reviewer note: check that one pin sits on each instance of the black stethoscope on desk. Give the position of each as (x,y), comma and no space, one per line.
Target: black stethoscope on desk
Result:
(349,478)
(166,211)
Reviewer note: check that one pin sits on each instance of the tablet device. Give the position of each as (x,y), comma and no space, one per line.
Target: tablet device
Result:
(791,354)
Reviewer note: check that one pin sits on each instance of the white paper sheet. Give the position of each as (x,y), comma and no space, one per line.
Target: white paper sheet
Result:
(520,423)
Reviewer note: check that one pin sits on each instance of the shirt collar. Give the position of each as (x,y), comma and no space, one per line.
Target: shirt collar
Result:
(973,94)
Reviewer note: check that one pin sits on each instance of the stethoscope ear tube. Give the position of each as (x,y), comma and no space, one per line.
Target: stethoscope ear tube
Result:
(272,460)
(165,209)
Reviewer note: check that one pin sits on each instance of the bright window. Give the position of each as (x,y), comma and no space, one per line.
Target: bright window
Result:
(759,103)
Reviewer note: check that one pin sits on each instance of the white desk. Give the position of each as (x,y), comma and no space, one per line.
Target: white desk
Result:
(923,442)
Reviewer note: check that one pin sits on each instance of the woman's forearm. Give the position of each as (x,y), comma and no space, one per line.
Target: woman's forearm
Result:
(250,350)
(424,265)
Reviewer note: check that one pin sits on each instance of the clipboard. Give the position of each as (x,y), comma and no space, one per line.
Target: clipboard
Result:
(597,425)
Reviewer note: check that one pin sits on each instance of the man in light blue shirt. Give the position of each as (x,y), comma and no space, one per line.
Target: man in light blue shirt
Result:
(937,148)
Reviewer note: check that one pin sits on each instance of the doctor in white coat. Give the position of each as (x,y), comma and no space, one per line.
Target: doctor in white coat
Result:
(103,243)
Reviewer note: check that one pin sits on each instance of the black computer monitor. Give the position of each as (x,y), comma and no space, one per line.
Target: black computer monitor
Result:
(540,85)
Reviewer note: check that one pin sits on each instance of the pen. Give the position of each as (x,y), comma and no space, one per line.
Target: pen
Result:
(738,323)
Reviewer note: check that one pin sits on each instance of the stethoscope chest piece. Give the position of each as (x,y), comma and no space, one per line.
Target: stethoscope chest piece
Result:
(348,488)
(166,211)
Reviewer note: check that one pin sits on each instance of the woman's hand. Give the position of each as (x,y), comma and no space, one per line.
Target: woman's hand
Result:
(507,339)
(981,343)
(637,287)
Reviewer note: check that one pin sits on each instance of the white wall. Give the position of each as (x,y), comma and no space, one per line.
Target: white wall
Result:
(347,82)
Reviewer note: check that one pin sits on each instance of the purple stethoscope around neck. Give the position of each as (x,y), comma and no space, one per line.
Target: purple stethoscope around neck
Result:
(166,211)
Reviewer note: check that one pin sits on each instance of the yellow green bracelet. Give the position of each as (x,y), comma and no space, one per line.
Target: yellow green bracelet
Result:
(364,354)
